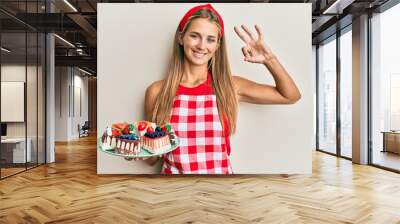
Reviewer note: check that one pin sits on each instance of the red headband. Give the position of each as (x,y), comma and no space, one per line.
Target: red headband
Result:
(197,8)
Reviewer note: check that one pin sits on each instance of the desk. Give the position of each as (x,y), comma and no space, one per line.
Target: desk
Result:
(18,150)
(391,141)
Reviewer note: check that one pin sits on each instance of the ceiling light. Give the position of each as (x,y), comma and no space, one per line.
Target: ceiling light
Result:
(5,50)
(329,9)
(64,40)
(70,5)
(84,71)
(337,7)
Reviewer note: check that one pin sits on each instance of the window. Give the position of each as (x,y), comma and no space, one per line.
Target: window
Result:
(327,96)
(346,93)
(385,88)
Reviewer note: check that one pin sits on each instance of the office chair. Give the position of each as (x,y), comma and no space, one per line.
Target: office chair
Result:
(84,130)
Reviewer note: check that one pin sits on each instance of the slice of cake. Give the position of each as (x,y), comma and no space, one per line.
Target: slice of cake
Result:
(128,145)
(155,141)
(110,136)
(122,138)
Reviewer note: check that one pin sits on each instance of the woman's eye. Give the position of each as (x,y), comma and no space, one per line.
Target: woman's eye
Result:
(193,36)
(211,40)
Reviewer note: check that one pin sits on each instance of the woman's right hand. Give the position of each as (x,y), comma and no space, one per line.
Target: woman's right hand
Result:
(137,158)
(150,160)
(134,158)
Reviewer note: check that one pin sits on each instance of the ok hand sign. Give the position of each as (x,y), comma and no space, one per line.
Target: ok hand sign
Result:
(255,50)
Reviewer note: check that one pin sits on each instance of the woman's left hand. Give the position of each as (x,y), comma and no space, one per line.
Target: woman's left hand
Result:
(255,50)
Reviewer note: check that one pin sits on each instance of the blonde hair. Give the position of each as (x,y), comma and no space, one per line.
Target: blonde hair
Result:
(221,75)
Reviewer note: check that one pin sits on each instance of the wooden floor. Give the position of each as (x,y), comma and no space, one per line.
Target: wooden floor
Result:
(70,191)
(10,171)
(5,172)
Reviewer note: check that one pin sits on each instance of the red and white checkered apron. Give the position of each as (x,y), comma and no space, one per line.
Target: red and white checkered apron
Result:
(204,146)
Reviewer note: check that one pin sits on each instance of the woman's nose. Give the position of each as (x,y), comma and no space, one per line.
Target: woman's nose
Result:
(201,44)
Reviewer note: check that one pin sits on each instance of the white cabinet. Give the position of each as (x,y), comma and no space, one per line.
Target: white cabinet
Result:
(18,149)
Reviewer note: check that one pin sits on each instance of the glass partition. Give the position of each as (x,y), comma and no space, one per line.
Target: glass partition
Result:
(13,104)
(22,77)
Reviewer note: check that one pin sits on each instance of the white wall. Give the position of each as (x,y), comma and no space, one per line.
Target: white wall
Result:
(133,52)
(61,103)
(34,125)
(67,80)
(12,73)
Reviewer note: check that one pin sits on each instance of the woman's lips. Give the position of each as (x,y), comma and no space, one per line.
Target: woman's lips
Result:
(198,54)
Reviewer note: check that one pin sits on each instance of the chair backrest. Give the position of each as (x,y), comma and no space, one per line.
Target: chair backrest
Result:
(86,125)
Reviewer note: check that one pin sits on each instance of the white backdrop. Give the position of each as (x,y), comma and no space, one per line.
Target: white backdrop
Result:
(134,44)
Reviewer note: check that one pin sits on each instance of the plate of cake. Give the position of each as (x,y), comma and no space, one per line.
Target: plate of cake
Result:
(139,139)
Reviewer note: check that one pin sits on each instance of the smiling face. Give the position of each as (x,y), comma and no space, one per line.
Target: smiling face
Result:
(200,41)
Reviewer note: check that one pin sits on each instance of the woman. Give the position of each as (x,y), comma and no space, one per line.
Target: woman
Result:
(199,96)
